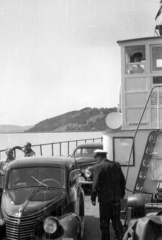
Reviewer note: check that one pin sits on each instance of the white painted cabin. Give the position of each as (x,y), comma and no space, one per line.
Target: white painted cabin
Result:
(140,118)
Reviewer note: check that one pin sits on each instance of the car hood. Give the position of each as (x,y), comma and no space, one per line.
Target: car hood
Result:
(29,201)
(85,162)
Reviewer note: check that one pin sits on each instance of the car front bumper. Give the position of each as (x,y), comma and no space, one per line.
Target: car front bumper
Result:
(85,181)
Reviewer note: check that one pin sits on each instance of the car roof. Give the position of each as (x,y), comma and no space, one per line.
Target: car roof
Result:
(58,161)
(89,145)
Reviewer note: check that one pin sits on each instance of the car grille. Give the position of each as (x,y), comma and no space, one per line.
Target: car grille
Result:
(22,230)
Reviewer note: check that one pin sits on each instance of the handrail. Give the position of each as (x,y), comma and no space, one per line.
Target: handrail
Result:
(60,145)
(137,131)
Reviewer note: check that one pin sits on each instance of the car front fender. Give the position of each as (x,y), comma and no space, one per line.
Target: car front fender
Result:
(2,220)
(71,225)
(148,227)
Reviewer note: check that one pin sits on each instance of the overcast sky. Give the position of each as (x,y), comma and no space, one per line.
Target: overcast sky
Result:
(58,56)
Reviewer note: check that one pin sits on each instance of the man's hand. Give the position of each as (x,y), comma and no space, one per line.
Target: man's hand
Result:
(94,203)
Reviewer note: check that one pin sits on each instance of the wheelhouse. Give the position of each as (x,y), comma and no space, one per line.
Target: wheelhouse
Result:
(135,139)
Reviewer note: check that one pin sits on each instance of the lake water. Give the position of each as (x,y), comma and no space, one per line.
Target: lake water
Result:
(19,139)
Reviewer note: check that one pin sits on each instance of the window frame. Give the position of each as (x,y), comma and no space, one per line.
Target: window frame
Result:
(131,148)
(151,58)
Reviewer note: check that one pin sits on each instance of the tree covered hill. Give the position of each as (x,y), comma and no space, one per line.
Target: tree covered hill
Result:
(13,128)
(87,119)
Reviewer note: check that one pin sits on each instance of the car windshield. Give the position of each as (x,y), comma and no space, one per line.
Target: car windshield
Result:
(36,176)
(84,152)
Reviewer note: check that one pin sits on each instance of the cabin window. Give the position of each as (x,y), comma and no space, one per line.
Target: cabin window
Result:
(156,58)
(157,80)
(135,58)
(122,147)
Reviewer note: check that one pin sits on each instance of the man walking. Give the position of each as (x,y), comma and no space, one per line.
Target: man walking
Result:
(109,185)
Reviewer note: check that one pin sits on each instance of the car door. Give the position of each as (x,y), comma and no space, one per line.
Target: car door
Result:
(74,193)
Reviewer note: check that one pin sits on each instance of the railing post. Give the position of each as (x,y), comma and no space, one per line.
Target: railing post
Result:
(14,153)
(68,147)
(41,150)
(52,149)
(158,108)
(60,148)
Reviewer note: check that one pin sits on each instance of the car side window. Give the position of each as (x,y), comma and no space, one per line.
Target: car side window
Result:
(88,151)
(78,152)
(85,151)
(91,151)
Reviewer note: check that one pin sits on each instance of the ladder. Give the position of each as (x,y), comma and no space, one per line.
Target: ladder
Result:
(159,192)
(145,161)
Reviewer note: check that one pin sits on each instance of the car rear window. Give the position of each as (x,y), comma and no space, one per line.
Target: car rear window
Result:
(84,152)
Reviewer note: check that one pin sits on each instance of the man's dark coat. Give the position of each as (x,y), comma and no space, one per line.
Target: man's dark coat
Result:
(109,182)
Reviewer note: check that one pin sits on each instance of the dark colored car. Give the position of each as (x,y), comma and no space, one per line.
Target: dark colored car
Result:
(42,199)
(84,155)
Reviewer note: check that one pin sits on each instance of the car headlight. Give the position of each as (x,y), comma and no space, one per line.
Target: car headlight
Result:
(51,225)
(87,173)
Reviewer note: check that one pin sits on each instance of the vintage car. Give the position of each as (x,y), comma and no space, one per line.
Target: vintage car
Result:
(84,155)
(42,199)
(143,217)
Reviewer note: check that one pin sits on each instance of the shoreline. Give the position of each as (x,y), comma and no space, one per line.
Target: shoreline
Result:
(51,132)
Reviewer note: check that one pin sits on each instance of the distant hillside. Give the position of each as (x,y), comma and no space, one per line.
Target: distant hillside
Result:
(13,128)
(87,119)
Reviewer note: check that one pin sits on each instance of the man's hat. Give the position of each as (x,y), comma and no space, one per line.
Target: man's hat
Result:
(100,152)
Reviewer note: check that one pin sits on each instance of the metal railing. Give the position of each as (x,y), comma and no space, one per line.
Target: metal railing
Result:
(55,148)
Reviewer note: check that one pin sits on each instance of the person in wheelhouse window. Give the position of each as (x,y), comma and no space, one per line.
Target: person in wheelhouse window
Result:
(136,68)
